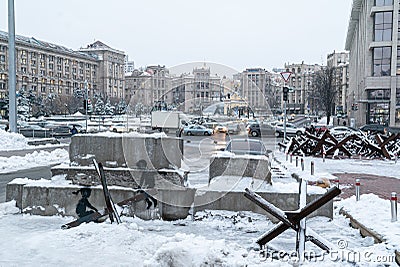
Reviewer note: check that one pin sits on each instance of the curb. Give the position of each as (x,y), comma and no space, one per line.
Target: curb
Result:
(364,231)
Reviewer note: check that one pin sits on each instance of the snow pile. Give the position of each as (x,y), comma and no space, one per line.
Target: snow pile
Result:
(131,134)
(227,154)
(331,166)
(12,141)
(364,212)
(8,208)
(190,250)
(239,184)
(35,159)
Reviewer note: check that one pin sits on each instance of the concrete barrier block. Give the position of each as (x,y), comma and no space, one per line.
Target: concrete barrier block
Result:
(175,204)
(125,177)
(240,166)
(127,150)
(236,201)
(14,192)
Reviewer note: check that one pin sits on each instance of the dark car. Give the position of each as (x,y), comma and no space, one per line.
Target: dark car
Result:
(246,147)
(32,130)
(61,131)
(254,129)
(374,128)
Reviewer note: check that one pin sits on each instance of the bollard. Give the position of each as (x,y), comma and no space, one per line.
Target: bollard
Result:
(291,158)
(393,205)
(302,164)
(358,189)
(323,157)
(312,167)
(395,158)
(297,161)
(287,156)
(337,183)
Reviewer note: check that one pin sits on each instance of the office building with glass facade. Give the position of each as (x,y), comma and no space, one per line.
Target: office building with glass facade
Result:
(373,41)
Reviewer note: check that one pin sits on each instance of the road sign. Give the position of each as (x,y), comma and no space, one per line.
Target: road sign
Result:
(286,75)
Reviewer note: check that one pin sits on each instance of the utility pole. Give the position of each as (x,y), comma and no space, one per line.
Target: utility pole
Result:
(12,104)
(285,91)
(86,104)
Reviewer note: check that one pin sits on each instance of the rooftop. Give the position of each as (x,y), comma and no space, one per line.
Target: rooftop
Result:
(31,41)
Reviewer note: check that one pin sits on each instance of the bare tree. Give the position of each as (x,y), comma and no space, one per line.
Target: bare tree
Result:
(325,89)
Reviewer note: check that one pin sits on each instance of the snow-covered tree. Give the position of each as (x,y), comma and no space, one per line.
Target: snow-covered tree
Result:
(139,109)
(109,109)
(99,107)
(121,107)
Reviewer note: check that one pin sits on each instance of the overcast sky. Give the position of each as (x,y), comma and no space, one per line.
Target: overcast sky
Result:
(239,34)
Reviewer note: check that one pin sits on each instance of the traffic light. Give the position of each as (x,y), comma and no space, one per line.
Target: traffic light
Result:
(285,93)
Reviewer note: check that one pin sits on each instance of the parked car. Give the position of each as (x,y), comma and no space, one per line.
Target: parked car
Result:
(374,128)
(221,128)
(121,128)
(61,131)
(393,130)
(246,147)
(320,128)
(197,130)
(291,129)
(342,131)
(254,129)
(32,130)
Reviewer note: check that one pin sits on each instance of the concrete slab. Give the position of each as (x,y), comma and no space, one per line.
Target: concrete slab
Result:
(258,168)
(56,198)
(125,177)
(235,201)
(127,150)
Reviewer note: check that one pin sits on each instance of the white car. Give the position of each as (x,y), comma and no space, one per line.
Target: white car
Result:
(291,129)
(342,131)
(121,128)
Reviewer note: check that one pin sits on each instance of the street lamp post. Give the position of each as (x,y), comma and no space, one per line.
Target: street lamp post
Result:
(12,104)
(86,104)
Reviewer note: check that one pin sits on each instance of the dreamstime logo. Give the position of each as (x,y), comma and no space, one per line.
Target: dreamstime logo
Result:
(342,254)
(196,93)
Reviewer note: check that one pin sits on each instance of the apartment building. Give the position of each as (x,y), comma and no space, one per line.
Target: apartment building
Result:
(112,70)
(340,61)
(252,89)
(50,70)
(300,98)
(372,38)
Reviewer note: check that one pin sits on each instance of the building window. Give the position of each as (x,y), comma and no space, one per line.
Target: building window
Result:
(383,26)
(381,61)
(378,94)
(383,2)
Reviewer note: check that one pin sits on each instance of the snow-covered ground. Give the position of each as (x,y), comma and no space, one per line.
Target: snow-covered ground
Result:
(388,168)
(214,238)
(34,159)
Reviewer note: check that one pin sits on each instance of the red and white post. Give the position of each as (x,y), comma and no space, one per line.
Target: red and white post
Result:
(358,184)
(393,205)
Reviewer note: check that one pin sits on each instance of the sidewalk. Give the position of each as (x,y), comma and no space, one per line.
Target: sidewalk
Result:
(381,186)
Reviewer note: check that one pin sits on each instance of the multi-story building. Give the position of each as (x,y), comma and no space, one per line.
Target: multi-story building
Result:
(253,84)
(45,69)
(300,99)
(129,65)
(372,39)
(340,61)
(112,68)
(150,87)
(138,88)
